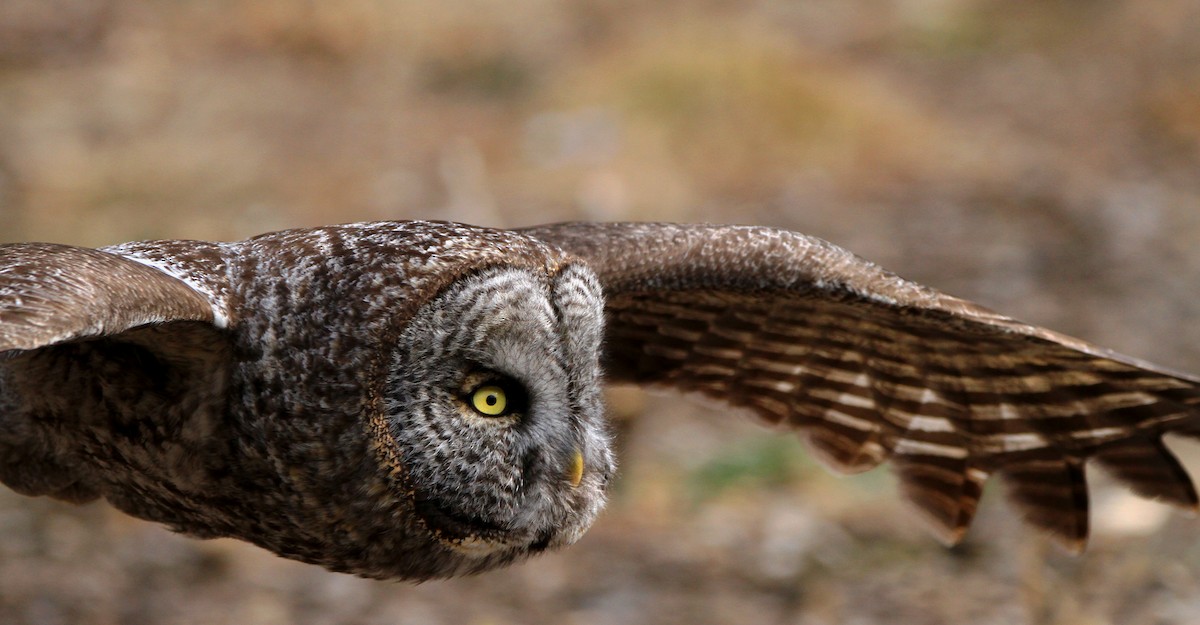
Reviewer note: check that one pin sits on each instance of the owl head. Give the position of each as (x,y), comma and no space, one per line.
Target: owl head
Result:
(491,403)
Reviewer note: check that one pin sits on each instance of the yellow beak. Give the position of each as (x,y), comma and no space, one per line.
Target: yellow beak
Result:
(575,471)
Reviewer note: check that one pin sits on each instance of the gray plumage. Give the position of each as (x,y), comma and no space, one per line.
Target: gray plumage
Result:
(316,392)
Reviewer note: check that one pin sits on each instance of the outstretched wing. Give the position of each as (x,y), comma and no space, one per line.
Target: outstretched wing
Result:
(102,338)
(871,367)
(54,293)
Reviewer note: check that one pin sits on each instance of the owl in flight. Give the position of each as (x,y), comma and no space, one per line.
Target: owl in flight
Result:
(416,399)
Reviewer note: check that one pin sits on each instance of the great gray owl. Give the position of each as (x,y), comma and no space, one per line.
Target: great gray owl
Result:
(416,400)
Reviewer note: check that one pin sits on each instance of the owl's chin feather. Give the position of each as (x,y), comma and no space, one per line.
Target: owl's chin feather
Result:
(450,526)
(473,536)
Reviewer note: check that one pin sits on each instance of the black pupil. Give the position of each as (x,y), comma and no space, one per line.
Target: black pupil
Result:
(490,399)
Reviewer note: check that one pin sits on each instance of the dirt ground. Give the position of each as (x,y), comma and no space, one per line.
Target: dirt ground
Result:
(1041,157)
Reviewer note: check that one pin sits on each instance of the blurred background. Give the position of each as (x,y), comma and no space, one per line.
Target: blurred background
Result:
(1039,156)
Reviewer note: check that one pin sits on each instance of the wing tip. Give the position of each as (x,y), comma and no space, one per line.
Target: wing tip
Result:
(946,535)
(1070,545)
(945,499)
(1152,471)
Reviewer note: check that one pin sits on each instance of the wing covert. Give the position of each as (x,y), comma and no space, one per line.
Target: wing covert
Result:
(54,293)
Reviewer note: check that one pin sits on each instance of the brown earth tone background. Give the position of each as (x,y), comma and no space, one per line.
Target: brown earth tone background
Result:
(1041,157)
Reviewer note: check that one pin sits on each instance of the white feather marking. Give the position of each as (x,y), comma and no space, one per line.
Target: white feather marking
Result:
(774,385)
(1124,400)
(978,476)
(841,418)
(1100,433)
(220,318)
(873,450)
(930,424)
(775,367)
(845,399)
(914,447)
(929,396)
(859,379)
(1020,442)
(323,243)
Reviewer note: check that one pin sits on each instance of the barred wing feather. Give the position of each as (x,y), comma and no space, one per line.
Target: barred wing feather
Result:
(870,367)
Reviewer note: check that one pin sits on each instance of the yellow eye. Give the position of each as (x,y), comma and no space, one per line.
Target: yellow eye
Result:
(489,400)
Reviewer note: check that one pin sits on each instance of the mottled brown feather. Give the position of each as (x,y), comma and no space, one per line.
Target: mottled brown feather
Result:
(54,293)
